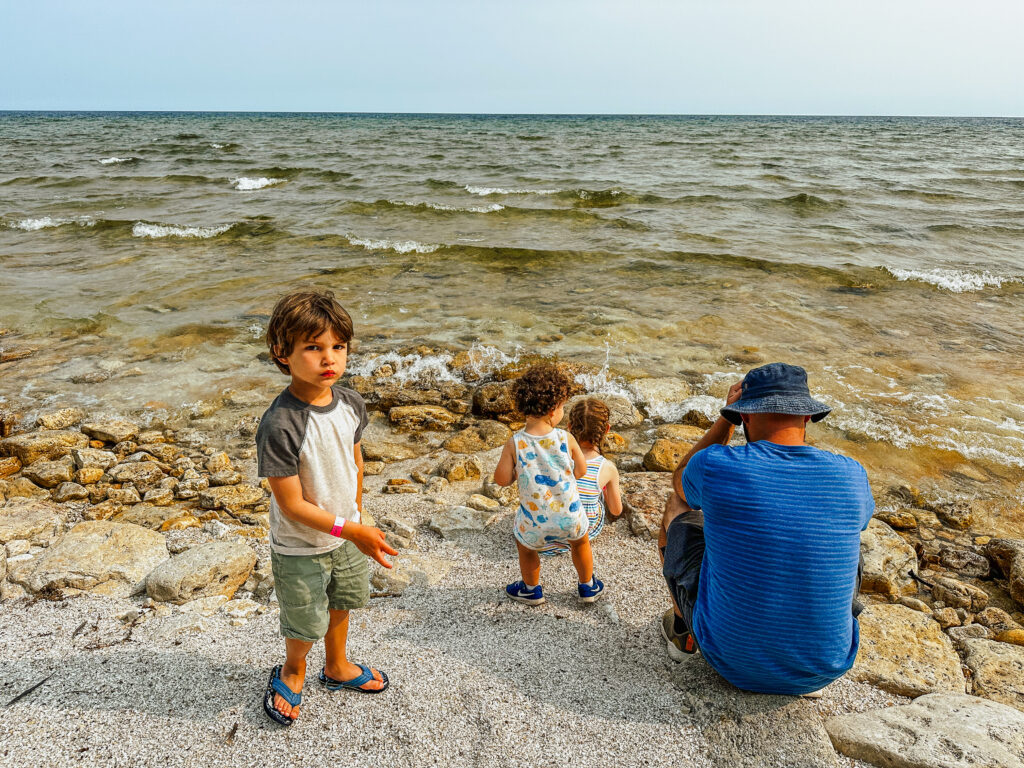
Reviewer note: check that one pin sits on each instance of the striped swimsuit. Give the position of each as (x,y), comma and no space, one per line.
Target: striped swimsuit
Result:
(592,498)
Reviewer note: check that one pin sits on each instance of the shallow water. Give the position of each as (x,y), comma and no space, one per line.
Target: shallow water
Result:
(141,253)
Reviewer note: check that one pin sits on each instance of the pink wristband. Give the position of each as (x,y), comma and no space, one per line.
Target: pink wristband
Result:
(339,524)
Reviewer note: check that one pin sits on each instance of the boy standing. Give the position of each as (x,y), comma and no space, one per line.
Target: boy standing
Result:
(308,448)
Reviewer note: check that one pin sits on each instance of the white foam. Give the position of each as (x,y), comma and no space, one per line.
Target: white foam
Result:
(484,191)
(116,160)
(398,246)
(671,413)
(144,229)
(48,222)
(492,208)
(245,184)
(953,280)
(408,369)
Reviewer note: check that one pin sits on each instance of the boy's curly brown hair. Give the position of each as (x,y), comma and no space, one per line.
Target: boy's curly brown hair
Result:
(541,389)
(305,315)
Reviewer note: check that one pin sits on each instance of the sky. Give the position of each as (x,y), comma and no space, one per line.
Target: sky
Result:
(835,57)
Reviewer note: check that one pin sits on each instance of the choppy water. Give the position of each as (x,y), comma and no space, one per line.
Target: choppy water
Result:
(140,254)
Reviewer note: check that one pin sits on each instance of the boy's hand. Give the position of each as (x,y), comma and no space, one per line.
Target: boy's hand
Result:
(369,541)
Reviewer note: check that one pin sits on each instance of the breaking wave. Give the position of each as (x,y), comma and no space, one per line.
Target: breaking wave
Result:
(145,229)
(953,280)
(398,246)
(246,184)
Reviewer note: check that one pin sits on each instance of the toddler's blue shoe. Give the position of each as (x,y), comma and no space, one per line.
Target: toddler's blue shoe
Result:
(519,591)
(589,594)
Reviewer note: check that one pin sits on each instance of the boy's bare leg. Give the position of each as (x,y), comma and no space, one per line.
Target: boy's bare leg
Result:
(582,558)
(293,673)
(529,564)
(337,665)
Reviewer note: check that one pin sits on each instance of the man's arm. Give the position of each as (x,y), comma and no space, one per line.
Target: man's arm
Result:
(719,433)
(368,540)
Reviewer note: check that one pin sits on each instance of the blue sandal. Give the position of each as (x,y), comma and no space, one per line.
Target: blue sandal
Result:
(356,683)
(277,686)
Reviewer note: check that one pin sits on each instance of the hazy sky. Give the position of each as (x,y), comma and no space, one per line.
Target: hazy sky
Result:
(930,57)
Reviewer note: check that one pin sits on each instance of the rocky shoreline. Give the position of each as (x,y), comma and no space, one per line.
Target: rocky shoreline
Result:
(152,534)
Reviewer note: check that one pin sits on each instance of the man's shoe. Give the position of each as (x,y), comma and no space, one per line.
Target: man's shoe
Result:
(523,594)
(589,594)
(679,646)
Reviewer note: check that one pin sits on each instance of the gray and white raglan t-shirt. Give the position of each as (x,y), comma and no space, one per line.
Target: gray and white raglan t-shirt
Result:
(316,443)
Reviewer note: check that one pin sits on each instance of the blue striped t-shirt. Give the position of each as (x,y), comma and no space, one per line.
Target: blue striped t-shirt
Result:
(782,530)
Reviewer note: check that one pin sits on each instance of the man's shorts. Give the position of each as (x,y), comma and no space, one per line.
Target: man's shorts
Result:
(308,586)
(684,555)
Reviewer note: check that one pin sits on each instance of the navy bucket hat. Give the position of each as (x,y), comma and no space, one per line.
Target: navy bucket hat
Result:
(776,388)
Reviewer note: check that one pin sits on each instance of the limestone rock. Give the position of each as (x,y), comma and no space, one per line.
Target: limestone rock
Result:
(93,457)
(70,492)
(33,520)
(125,495)
(1008,556)
(917,605)
(157,518)
(996,619)
(374,450)
(88,475)
(1011,636)
(50,474)
(900,519)
(225,477)
(9,465)
(416,417)
(495,401)
(61,419)
(22,487)
(947,617)
(102,511)
(954,514)
(665,455)
(905,652)
(939,730)
(410,569)
(218,462)
(101,556)
(506,495)
(961,635)
(683,433)
(998,671)
(454,469)
(968,564)
(888,560)
(373,467)
(112,431)
(483,503)
(481,436)
(144,475)
(161,497)
(215,568)
(44,444)
(658,394)
(453,523)
(165,452)
(959,594)
(622,413)
(643,500)
(204,606)
(230,497)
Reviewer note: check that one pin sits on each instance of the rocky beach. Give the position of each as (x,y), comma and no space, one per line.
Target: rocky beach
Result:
(140,623)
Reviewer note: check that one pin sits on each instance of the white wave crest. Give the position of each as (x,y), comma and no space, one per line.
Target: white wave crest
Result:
(48,222)
(953,280)
(398,246)
(145,229)
(116,160)
(484,191)
(408,369)
(245,184)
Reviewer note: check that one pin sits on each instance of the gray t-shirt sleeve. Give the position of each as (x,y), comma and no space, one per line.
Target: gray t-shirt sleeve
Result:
(279,439)
(355,401)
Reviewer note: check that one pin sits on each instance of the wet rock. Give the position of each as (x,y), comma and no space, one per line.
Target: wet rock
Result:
(455,469)
(900,519)
(22,487)
(998,671)
(93,457)
(112,431)
(905,652)
(100,556)
(32,520)
(45,444)
(481,436)
(70,492)
(230,497)
(215,568)
(954,514)
(958,594)
(9,465)
(622,413)
(61,419)
(658,392)
(482,503)
(88,475)
(457,521)
(939,730)
(50,474)
(417,417)
(144,475)
(888,560)
(643,499)
(683,433)
(124,495)
(965,562)
(388,452)
(665,455)
(495,401)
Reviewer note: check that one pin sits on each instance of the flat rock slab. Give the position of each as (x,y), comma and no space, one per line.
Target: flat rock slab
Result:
(904,651)
(32,520)
(113,431)
(481,436)
(215,568)
(752,730)
(939,730)
(101,556)
(44,444)
(621,412)
(643,498)
(230,496)
(454,522)
(998,671)
(888,560)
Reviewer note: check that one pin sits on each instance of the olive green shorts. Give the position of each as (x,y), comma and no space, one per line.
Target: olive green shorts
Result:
(308,586)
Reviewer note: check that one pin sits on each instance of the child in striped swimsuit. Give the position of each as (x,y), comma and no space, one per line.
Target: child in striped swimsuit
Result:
(589,423)
(547,461)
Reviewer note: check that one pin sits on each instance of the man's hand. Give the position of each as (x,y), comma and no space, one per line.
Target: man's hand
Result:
(735,392)
(369,541)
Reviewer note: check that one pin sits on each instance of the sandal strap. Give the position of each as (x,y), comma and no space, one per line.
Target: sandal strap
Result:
(360,680)
(286,693)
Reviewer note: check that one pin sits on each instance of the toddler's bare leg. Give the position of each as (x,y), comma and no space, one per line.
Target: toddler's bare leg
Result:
(529,564)
(337,665)
(293,673)
(582,558)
